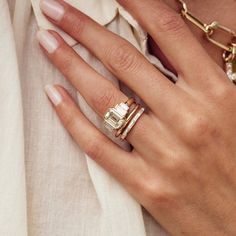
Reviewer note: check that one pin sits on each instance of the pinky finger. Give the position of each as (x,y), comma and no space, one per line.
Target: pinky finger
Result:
(94,143)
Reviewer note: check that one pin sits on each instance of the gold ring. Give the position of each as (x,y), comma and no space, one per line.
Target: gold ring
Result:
(132,123)
(130,116)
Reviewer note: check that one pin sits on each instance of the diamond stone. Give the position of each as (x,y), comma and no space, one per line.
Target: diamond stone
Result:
(114,118)
(230,71)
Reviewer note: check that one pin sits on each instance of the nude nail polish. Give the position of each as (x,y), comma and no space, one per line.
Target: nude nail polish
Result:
(47,41)
(52,9)
(53,94)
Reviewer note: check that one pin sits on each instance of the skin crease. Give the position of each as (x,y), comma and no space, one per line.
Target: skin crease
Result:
(183,166)
(208,11)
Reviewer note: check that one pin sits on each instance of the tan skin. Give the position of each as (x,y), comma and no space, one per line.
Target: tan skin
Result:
(183,166)
(208,11)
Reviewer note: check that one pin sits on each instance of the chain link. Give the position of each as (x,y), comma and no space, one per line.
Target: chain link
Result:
(210,30)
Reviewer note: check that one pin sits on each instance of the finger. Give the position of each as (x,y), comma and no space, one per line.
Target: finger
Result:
(84,78)
(119,56)
(121,164)
(86,81)
(174,38)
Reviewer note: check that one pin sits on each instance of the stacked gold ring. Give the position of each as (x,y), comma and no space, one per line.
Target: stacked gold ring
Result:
(128,119)
(123,117)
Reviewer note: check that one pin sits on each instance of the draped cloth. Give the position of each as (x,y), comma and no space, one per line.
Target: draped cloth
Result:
(48,186)
(12,171)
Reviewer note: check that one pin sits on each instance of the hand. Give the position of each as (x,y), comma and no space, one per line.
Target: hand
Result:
(208,11)
(182,167)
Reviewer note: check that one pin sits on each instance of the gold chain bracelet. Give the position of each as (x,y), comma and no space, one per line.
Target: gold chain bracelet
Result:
(229,50)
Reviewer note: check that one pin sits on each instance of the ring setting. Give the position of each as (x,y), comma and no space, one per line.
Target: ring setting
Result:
(115,117)
(122,117)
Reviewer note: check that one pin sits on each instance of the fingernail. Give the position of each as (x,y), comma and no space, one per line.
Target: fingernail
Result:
(47,40)
(53,94)
(52,9)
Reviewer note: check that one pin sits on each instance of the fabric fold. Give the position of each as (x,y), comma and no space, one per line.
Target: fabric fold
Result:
(13,217)
(102,11)
(20,23)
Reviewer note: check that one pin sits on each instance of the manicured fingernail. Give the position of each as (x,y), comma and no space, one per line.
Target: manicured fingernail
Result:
(47,40)
(53,94)
(52,9)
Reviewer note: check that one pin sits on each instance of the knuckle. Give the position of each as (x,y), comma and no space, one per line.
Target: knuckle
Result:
(94,149)
(123,58)
(157,195)
(199,128)
(171,22)
(175,161)
(69,121)
(181,166)
(152,191)
(66,64)
(155,191)
(104,100)
(74,23)
(224,92)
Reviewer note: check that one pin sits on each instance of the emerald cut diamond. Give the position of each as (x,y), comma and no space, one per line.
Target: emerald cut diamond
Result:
(115,117)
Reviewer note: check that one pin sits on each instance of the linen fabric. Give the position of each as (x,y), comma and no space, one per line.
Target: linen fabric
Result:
(12,171)
(48,186)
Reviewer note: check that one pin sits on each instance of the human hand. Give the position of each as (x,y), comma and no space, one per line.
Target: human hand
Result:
(208,11)
(182,167)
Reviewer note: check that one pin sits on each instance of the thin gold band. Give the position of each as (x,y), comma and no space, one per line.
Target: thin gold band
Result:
(129,102)
(130,116)
(132,123)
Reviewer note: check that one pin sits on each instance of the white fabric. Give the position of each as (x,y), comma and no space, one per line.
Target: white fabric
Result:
(65,195)
(12,172)
(103,11)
